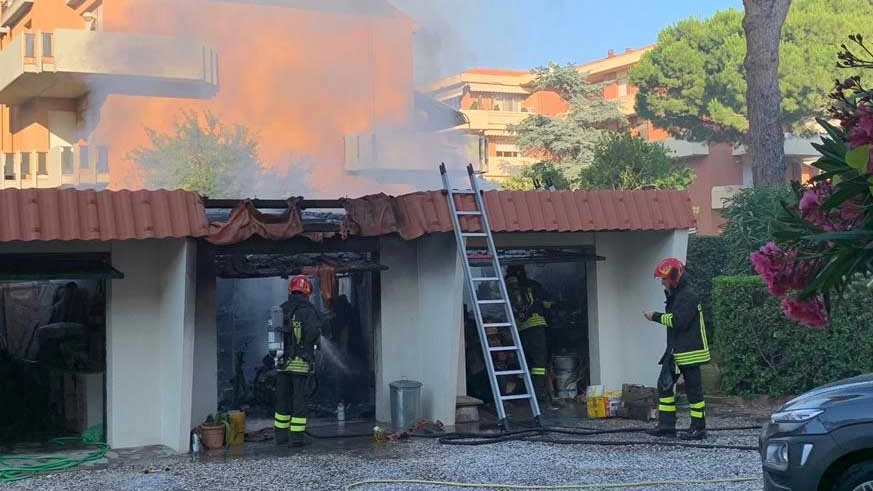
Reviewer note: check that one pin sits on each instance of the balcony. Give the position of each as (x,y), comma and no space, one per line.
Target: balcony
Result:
(500,168)
(494,123)
(80,166)
(69,63)
(13,10)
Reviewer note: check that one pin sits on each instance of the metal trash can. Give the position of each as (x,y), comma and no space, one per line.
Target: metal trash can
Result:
(405,403)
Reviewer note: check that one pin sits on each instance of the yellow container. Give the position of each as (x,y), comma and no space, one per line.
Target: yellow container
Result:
(598,407)
(237,421)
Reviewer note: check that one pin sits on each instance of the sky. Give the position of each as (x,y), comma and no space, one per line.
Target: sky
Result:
(458,34)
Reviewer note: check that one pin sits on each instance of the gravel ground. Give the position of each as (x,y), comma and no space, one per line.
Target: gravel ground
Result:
(332,465)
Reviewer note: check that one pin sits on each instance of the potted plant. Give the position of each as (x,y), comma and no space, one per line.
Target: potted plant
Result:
(214,431)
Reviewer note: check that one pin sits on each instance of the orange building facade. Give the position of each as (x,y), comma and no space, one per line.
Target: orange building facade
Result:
(82,80)
(493,100)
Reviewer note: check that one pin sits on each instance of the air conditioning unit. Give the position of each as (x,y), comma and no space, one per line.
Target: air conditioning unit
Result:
(721,194)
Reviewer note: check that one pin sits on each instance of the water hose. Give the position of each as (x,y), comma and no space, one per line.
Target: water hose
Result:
(16,468)
(541,435)
(375,482)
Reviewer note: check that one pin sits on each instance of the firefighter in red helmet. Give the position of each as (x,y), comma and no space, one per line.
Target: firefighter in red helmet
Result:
(687,349)
(301,329)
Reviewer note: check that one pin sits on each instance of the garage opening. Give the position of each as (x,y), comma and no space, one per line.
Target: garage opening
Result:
(251,284)
(52,345)
(561,277)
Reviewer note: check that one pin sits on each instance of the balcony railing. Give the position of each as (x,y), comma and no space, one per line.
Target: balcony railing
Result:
(76,166)
(494,121)
(61,64)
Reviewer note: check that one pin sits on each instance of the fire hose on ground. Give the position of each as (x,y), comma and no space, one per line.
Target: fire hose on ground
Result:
(18,467)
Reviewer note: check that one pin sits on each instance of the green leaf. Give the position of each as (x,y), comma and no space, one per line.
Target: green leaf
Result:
(859,157)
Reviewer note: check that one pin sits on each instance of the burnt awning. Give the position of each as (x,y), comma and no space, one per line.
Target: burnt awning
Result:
(37,267)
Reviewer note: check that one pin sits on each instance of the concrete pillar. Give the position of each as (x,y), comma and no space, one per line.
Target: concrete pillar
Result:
(623,346)
(420,331)
(150,344)
(205,377)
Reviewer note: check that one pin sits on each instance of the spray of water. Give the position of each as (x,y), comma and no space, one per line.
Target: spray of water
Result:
(333,356)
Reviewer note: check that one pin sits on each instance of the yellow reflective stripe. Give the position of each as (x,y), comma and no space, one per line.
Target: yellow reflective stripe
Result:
(697,405)
(537,371)
(667,320)
(696,414)
(666,408)
(668,400)
(282,417)
(698,356)
(298,428)
(299,421)
(535,320)
(703,328)
(548,305)
(281,426)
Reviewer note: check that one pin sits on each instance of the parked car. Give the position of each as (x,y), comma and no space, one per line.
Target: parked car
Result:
(822,440)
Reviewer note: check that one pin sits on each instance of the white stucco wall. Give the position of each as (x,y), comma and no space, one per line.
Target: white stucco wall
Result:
(420,331)
(205,378)
(623,346)
(150,344)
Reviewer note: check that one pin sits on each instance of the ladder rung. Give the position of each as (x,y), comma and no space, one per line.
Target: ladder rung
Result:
(496,324)
(502,348)
(474,234)
(515,397)
(487,278)
(468,213)
(463,191)
(508,372)
(491,302)
(479,257)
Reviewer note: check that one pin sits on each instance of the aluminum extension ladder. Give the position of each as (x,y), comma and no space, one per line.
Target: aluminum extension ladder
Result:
(486,261)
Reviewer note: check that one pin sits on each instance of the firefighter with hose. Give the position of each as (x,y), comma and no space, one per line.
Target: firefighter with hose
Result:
(687,349)
(301,330)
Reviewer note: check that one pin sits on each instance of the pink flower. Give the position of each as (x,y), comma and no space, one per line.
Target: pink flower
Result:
(779,269)
(811,209)
(810,312)
(861,127)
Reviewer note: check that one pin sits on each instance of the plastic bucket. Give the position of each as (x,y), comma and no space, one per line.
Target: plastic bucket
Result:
(237,421)
(405,403)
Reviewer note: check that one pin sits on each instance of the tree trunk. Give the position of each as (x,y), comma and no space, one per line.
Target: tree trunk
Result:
(766,141)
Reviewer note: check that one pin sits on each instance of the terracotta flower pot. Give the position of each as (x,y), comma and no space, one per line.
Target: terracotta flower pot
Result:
(212,436)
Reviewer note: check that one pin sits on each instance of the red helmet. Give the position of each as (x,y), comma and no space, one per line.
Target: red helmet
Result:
(670,269)
(300,284)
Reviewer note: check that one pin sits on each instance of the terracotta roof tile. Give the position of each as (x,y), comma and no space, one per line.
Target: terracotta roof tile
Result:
(420,213)
(69,214)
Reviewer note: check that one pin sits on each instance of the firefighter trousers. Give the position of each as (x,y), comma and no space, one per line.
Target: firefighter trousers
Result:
(291,410)
(536,352)
(694,391)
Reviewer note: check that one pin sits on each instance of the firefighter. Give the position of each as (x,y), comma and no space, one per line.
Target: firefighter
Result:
(301,329)
(687,349)
(529,307)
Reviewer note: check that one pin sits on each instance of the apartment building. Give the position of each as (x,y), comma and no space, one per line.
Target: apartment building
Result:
(53,54)
(494,100)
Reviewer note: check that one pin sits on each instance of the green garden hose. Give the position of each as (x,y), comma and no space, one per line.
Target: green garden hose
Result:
(18,467)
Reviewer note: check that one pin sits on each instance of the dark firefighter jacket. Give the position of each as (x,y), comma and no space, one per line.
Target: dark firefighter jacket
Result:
(534,306)
(686,329)
(301,330)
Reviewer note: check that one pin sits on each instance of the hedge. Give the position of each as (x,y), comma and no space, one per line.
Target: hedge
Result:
(762,352)
(705,260)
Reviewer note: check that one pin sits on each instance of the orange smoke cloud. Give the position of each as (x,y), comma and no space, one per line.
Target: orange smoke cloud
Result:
(299,79)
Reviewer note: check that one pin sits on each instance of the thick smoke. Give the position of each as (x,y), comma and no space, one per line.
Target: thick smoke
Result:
(310,78)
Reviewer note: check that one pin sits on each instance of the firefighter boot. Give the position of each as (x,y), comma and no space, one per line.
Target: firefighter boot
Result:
(662,431)
(697,430)
(281,436)
(297,439)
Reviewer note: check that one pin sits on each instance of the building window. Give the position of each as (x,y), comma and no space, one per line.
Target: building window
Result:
(102,160)
(29,45)
(47,44)
(9,166)
(501,153)
(42,163)
(622,86)
(66,160)
(84,157)
(508,102)
(25,163)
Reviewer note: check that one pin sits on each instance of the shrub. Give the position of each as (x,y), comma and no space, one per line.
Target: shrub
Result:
(750,218)
(762,352)
(706,261)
